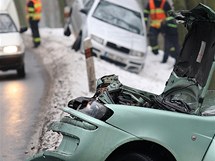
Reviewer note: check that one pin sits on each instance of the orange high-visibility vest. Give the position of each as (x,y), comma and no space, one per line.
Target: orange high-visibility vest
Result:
(35,13)
(37,5)
(156,14)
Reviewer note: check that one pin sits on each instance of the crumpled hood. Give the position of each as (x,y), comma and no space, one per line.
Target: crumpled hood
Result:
(117,35)
(195,61)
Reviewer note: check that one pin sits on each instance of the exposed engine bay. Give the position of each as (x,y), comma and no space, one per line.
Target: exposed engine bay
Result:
(111,91)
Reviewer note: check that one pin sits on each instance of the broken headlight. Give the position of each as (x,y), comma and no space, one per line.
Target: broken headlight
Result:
(91,107)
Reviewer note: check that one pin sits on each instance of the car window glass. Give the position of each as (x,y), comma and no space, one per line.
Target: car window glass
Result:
(119,16)
(6,24)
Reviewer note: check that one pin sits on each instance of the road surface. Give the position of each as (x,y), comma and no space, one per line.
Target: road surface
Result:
(20,105)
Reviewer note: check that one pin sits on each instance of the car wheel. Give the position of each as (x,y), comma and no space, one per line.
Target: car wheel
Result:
(21,71)
(77,44)
(131,157)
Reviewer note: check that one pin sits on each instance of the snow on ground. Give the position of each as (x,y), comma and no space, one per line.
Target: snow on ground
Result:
(67,70)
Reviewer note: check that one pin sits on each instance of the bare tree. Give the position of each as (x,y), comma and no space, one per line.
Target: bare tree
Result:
(50,14)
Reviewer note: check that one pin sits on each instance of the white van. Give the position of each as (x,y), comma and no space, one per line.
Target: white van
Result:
(12,47)
(117,30)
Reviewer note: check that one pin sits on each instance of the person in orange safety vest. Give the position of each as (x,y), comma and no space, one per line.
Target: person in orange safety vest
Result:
(34,8)
(156,11)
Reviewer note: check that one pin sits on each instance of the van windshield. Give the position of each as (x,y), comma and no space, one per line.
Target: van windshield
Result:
(6,24)
(119,16)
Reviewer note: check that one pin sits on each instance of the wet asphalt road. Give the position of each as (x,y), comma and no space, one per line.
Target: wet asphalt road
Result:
(20,103)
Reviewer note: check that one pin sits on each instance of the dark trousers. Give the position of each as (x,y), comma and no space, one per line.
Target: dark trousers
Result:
(171,47)
(153,39)
(35,32)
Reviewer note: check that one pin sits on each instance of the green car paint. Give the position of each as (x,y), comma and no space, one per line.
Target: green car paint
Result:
(120,123)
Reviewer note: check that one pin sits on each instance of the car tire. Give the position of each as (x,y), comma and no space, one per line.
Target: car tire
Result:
(77,44)
(131,157)
(21,71)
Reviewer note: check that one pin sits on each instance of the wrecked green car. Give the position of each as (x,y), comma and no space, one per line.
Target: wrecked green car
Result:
(120,123)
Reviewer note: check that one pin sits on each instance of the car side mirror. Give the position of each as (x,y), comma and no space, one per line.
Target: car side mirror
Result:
(23,29)
(84,11)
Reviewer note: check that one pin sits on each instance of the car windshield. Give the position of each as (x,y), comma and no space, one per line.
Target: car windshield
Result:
(119,16)
(6,24)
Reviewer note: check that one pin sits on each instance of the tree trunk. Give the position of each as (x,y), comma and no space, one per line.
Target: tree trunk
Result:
(50,14)
(20,5)
(61,7)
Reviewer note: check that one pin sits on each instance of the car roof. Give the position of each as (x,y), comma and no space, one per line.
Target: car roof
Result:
(4,5)
(131,4)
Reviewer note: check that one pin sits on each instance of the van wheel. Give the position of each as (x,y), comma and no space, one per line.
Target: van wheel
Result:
(133,156)
(77,44)
(21,71)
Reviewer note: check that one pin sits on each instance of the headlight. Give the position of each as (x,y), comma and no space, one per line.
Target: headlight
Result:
(11,49)
(97,39)
(96,110)
(137,53)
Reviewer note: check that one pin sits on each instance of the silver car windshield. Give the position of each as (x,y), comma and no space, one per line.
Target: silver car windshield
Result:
(119,16)
(6,24)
